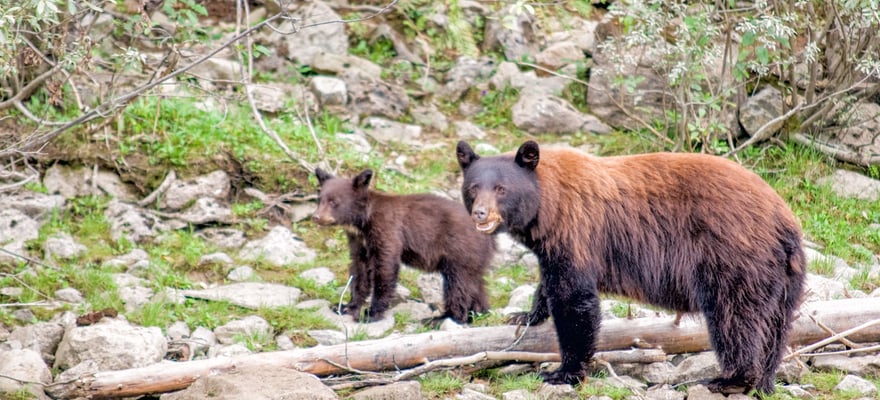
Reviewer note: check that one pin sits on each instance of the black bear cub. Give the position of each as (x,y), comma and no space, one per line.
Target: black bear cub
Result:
(423,231)
(688,232)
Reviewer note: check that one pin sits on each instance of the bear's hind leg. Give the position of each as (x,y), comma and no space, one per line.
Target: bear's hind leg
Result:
(738,336)
(575,308)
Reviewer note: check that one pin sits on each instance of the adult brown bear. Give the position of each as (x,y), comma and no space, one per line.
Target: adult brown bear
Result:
(422,230)
(687,232)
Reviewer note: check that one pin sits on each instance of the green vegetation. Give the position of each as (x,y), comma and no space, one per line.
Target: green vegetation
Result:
(439,385)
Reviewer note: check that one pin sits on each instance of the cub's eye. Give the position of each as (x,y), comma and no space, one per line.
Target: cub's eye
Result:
(332,202)
(500,190)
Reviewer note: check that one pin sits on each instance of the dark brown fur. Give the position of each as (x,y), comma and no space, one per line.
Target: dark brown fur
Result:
(424,231)
(688,232)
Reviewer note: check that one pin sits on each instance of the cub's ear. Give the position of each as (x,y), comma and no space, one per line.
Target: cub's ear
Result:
(363,179)
(466,155)
(527,155)
(323,176)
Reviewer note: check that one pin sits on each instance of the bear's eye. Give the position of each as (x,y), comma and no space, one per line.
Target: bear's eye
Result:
(500,190)
(472,191)
(332,202)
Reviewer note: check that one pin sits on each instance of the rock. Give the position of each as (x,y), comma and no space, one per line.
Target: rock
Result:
(580,32)
(821,288)
(177,331)
(69,295)
(216,259)
(868,365)
(205,210)
(243,273)
(663,392)
(248,327)
(42,337)
(62,246)
(466,73)
(251,295)
(215,185)
(521,297)
(852,184)
(558,55)
(386,131)
(550,114)
(231,350)
(35,205)
(219,69)
(26,366)
(760,109)
(429,115)
(321,276)
(24,315)
(512,32)
(265,383)
(132,223)
(547,391)
(405,390)
(70,182)
(852,383)
(329,91)
(431,287)
(346,323)
(518,394)
(133,291)
(468,130)
(113,344)
(203,339)
(279,247)
(224,238)
(308,43)
(327,337)
(341,64)
(367,97)
(416,311)
(856,128)
(129,259)
(697,367)
(471,394)
(16,228)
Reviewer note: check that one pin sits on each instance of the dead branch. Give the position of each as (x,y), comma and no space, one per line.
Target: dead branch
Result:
(410,351)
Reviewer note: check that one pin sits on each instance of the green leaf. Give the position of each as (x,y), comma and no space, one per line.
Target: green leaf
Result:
(748,38)
(763,55)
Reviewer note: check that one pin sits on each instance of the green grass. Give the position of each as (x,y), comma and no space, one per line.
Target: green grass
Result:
(439,385)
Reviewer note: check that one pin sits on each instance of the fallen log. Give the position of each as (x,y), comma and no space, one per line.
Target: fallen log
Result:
(406,351)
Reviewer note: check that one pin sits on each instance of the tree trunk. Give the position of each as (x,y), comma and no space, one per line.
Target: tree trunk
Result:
(407,351)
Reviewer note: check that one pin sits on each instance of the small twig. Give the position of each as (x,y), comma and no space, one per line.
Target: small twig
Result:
(831,339)
(830,331)
(850,351)
(762,133)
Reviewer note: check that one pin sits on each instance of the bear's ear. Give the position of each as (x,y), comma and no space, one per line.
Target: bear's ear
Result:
(363,179)
(323,176)
(466,155)
(527,155)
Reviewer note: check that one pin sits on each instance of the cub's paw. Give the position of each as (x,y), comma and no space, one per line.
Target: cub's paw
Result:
(525,318)
(560,377)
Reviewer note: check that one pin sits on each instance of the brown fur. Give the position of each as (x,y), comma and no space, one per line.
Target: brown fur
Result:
(687,232)
(424,231)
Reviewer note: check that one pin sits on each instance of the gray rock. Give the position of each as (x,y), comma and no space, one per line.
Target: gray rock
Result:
(62,246)
(387,131)
(511,32)
(284,343)
(242,274)
(69,295)
(271,97)
(219,69)
(231,350)
(697,367)
(25,366)
(852,383)
(431,287)
(35,205)
(547,391)
(132,291)
(551,114)
(248,327)
(468,130)
(429,115)
(663,392)
(341,64)
(113,344)
(856,128)
(42,338)
(279,247)
(72,182)
(466,73)
(558,55)
(267,383)
(224,238)
(821,288)
(518,394)
(216,259)
(471,394)
(868,365)
(249,294)
(16,228)
(24,315)
(580,32)
(852,184)
(377,98)
(203,339)
(87,367)
(177,331)
(205,210)
(347,324)
(129,259)
(182,192)
(521,297)
(320,276)
(329,91)
(132,223)
(449,325)
(405,390)
(759,110)
(700,392)
(415,310)
(327,337)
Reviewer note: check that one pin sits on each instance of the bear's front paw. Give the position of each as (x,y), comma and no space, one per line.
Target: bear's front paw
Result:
(560,377)
(525,318)
(728,386)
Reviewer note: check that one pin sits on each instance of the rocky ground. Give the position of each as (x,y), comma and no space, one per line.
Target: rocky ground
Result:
(74,341)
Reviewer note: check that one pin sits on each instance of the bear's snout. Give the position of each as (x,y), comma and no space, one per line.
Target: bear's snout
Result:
(479,214)
(322,219)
